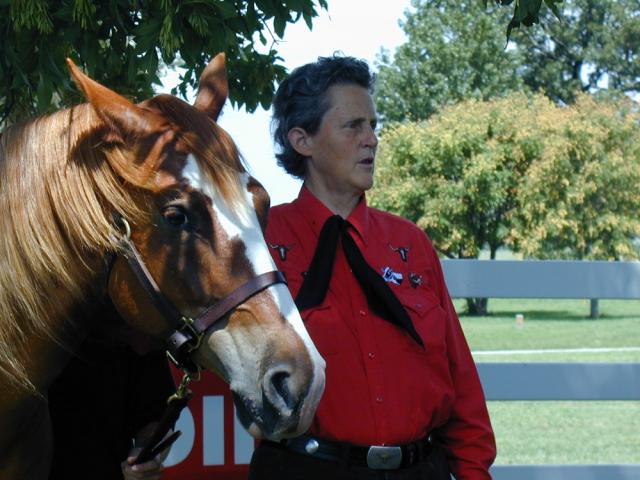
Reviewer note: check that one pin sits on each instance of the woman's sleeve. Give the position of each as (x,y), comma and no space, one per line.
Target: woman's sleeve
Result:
(467,437)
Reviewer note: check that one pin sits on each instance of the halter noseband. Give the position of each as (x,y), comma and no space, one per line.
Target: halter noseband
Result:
(187,333)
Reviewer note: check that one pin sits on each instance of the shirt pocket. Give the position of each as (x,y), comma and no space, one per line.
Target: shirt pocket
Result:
(428,317)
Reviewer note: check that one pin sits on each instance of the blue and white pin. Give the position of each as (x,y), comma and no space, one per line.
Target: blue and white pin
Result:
(392,277)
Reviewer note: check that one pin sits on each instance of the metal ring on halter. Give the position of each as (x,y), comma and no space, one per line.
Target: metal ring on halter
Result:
(119,219)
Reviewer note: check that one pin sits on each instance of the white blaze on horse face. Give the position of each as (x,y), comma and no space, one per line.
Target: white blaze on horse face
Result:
(242,223)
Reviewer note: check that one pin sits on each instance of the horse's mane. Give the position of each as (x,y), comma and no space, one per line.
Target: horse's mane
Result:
(57,195)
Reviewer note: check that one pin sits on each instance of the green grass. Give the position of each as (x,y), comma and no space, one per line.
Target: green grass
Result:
(560,432)
(554,324)
(566,432)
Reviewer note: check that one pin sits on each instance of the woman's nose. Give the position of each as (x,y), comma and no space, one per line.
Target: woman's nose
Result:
(370,139)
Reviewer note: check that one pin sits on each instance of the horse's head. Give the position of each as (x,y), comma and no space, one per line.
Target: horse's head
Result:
(199,235)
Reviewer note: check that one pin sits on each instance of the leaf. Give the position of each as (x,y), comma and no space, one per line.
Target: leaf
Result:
(279,25)
(553,7)
(146,35)
(308,20)
(226,9)
(44,92)
(131,69)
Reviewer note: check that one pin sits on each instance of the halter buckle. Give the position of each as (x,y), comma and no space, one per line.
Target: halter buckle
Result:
(188,327)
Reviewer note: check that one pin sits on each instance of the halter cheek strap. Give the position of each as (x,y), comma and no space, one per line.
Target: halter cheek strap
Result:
(189,333)
(186,333)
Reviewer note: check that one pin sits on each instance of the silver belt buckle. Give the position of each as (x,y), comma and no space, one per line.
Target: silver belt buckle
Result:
(384,458)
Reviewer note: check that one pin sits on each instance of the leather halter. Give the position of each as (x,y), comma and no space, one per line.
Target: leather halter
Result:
(187,333)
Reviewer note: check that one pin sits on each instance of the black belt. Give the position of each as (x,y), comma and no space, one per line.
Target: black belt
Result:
(377,457)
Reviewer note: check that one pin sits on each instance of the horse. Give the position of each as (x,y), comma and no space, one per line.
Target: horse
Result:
(149,206)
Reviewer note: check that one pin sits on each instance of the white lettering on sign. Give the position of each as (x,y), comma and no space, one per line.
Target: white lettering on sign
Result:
(213,434)
(242,443)
(213,430)
(182,447)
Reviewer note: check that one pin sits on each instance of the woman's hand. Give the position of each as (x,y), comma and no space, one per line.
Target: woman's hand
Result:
(150,470)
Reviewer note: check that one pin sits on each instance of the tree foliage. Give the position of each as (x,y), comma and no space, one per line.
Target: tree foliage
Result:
(122,43)
(454,51)
(580,198)
(594,46)
(560,182)
(457,175)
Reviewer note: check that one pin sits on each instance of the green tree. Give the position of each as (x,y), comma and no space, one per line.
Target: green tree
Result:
(559,182)
(594,46)
(580,198)
(453,51)
(122,43)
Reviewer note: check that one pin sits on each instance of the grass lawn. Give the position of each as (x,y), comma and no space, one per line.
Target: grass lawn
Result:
(560,432)
(555,324)
(566,432)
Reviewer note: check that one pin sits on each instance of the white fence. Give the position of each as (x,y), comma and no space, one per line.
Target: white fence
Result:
(553,381)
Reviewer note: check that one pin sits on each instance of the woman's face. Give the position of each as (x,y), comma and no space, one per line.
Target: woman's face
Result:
(342,151)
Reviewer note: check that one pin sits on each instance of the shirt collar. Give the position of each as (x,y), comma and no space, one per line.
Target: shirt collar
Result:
(316,213)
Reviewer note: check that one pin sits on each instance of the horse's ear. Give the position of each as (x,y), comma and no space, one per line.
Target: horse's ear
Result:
(125,119)
(213,88)
(122,116)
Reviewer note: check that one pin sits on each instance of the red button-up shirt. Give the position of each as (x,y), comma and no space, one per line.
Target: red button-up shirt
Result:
(382,388)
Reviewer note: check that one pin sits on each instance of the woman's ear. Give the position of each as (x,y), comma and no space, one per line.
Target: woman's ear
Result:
(301,141)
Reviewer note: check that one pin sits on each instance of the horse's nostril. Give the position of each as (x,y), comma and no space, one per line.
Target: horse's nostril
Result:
(280,381)
(279,390)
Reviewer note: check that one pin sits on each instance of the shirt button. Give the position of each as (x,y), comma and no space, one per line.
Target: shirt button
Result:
(362,313)
(418,305)
(379,399)
(372,355)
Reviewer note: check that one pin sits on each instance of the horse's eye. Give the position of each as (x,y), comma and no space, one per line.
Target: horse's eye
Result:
(176,216)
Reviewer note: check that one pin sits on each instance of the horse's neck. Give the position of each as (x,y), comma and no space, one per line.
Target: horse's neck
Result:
(46,357)
(24,415)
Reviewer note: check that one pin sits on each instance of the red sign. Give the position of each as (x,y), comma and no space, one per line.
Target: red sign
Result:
(213,444)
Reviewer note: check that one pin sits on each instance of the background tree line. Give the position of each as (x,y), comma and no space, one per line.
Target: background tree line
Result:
(534,147)
(126,44)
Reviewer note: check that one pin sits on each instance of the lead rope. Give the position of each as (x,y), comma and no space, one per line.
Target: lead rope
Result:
(175,403)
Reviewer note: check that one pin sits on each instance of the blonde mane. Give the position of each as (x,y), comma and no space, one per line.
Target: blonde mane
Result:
(57,194)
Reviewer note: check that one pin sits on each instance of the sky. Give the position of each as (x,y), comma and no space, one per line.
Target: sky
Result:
(358,28)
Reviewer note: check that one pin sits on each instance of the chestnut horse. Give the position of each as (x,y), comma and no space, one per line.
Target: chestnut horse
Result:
(147,205)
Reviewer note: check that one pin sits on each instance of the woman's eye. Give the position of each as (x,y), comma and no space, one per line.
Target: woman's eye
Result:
(176,216)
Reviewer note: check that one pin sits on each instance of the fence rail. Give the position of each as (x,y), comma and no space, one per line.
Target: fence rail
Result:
(566,472)
(542,279)
(553,381)
(560,381)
